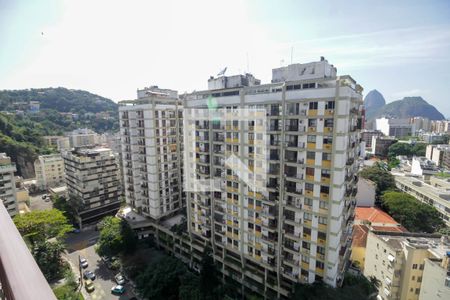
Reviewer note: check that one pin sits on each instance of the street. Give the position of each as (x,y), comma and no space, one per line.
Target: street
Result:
(37,203)
(82,244)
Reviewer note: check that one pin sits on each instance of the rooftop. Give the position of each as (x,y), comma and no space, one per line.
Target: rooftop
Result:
(374,215)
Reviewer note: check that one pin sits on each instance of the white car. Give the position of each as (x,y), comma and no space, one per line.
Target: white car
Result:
(119,279)
(84,263)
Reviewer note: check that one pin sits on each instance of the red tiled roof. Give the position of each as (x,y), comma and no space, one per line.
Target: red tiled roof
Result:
(373,215)
(360,235)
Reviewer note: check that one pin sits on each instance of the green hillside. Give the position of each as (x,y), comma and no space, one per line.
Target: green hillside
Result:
(406,108)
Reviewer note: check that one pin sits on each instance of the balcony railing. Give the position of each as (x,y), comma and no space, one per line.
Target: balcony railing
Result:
(20,276)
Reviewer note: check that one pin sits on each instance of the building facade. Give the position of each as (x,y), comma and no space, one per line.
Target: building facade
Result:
(380,145)
(366,136)
(398,260)
(7,184)
(93,184)
(426,193)
(440,154)
(299,229)
(83,137)
(151,135)
(436,277)
(49,170)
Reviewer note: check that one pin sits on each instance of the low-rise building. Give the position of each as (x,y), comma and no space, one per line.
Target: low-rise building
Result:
(83,137)
(7,184)
(422,166)
(367,135)
(92,183)
(380,145)
(397,260)
(426,193)
(436,276)
(440,154)
(49,171)
(369,218)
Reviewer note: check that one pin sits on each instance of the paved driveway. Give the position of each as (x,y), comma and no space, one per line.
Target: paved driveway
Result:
(82,244)
(37,203)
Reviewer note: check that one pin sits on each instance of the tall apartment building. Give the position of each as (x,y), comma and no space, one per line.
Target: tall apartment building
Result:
(49,171)
(366,136)
(395,127)
(399,261)
(151,133)
(440,154)
(7,184)
(440,126)
(299,229)
(93,184)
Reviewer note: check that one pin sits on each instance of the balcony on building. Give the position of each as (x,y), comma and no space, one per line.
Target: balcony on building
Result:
(20,276)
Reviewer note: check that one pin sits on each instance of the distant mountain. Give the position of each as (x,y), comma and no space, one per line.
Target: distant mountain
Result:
(60,99)
(409,107)
(373,101)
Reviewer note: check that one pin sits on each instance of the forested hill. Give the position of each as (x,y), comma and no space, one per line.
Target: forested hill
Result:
(61,110)
(59,99)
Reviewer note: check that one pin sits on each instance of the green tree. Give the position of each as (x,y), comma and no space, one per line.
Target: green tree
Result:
(115,237)
(411,213)
(209,280)
(383,179)
(40,225)
(63,205)
(48,257)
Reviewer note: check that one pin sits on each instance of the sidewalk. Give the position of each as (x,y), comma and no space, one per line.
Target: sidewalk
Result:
(77,275)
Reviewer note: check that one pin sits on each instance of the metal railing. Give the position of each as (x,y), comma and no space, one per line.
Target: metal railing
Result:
(20,276)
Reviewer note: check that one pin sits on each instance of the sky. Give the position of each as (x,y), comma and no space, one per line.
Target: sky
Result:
(112,48)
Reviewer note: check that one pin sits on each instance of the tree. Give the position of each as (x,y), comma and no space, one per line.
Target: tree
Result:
(383,179)
(48,257)
(63,205)
(416,149)
(40,225)
(116,237)
(165,279)
(209,281)
(411,213)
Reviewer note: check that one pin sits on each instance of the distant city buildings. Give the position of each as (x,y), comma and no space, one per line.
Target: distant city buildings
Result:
(92,180)
(7,184)
(49,170)
(439,154)
(422,166)
(367,136)
(441,126)
(57,141)
(395,127)
(380,145)
(83,137)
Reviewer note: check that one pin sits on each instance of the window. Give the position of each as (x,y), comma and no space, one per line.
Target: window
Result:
(321,235)
(308,201)
(323,220)
(326,156)
(307,216)
(305,259)
(309,187)
(325,173)
(312,122)
(324,189)
(419,278)
(323,204)
(310,155)
(329,122)
(306,245)
(328,140)
(421,266)
(320,264)
(329,105)
(307,231)
(417,291)
(413,278)
(313,105)
(414,266)
(310,171)
(321,250)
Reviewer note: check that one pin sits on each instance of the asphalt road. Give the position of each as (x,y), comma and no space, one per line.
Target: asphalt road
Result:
(82,244)
(37,203)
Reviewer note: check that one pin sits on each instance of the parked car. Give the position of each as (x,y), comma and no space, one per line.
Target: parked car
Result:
(84,263)
(89,286)
(119,279)
(89,275)
(118,289)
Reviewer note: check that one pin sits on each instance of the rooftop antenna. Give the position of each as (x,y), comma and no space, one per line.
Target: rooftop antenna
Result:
(248,64)
(292,53)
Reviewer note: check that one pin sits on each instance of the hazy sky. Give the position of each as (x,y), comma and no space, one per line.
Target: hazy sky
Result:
(401,48)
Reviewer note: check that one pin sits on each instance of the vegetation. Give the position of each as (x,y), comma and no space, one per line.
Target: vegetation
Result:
(116,237)
(383,179)
(44,231)
(409,150)
(69,290)
(354,288)
(411,213)
(21,135)
(41,225)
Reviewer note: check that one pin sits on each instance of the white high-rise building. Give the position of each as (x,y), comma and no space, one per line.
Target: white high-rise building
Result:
(93,185)
(151,135)
(300,230)
(7,184)
(83,137)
